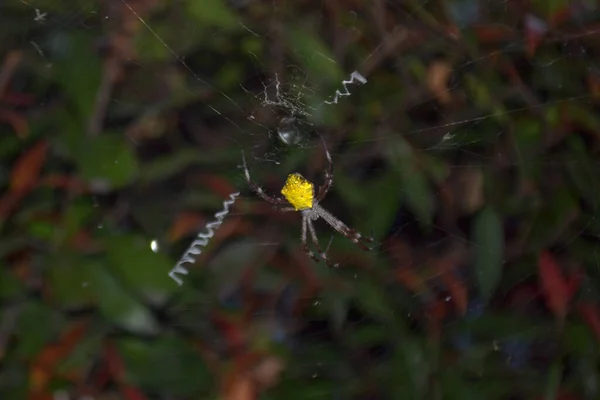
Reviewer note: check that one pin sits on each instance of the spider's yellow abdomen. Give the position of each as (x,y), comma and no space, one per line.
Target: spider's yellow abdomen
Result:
(299,192)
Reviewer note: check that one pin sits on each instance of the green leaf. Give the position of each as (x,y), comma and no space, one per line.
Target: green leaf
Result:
(371,299)
(388,203)
(107,160)
(213,13)
(10,286)
(413,182)
(33,316)
(67,277)
(554,381)
(186,375)
(488,237)
(555,217)
(78,70)
(117,305)
(133,261)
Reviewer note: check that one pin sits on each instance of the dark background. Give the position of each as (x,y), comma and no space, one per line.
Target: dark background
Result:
(470,155)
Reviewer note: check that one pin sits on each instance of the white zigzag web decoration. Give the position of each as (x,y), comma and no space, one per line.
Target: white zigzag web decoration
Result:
(353,76)
(201,241)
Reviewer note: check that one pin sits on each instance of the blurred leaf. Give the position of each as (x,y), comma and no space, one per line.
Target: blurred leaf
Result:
(68,280)
(455,387)
(338,305)
(388,204)
(488,239)
(117,305)
(298,390)
(413,182)
(186,375)
(371,299)
(85,352)
(26,171)
(554,285)
(367,335)
(44,365)
(314,56)
(228,266)
(554,381)
(133,261)
(213,13)
(164,167)
(107,161)
(557,214)
(582,170)
(499,326)
(591,315)
(10,286)
(32,339)
(78,69)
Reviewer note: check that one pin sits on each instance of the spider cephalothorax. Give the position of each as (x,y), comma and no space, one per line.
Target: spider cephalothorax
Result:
(299,193)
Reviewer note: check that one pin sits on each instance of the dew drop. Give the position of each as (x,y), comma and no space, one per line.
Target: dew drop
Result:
(288,131)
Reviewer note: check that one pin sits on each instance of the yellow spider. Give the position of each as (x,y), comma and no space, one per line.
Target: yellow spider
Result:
(299,193)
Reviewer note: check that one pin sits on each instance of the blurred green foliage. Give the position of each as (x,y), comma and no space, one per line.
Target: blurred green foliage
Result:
(471,155)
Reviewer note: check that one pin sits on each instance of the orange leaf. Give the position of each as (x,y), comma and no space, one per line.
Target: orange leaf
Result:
(412,281)
(557,291)
(438,76)
(42,368)
(185,224)
(26,170)
(493,33)
(241,388)
(218,184)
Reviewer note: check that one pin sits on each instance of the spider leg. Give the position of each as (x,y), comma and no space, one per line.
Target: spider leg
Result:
(258,190)
(328,182)
(352,234)
(304,240)
(315,240)
(285,209)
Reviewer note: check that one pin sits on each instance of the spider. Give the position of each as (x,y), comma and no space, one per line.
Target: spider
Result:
(299,195)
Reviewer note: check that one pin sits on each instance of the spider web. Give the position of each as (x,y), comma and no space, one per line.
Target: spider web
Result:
(277,114)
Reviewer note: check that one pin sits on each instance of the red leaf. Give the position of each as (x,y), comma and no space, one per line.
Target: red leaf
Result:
(26,170)
(493,33)
(535,29)
(591,316)
(457,290)
(233,333)
(556,289)
(17,121)
(116,368)
(9,201)
(132,393)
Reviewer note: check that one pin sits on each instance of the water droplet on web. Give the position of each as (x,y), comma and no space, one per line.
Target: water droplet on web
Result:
(154,246)
(288,131)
